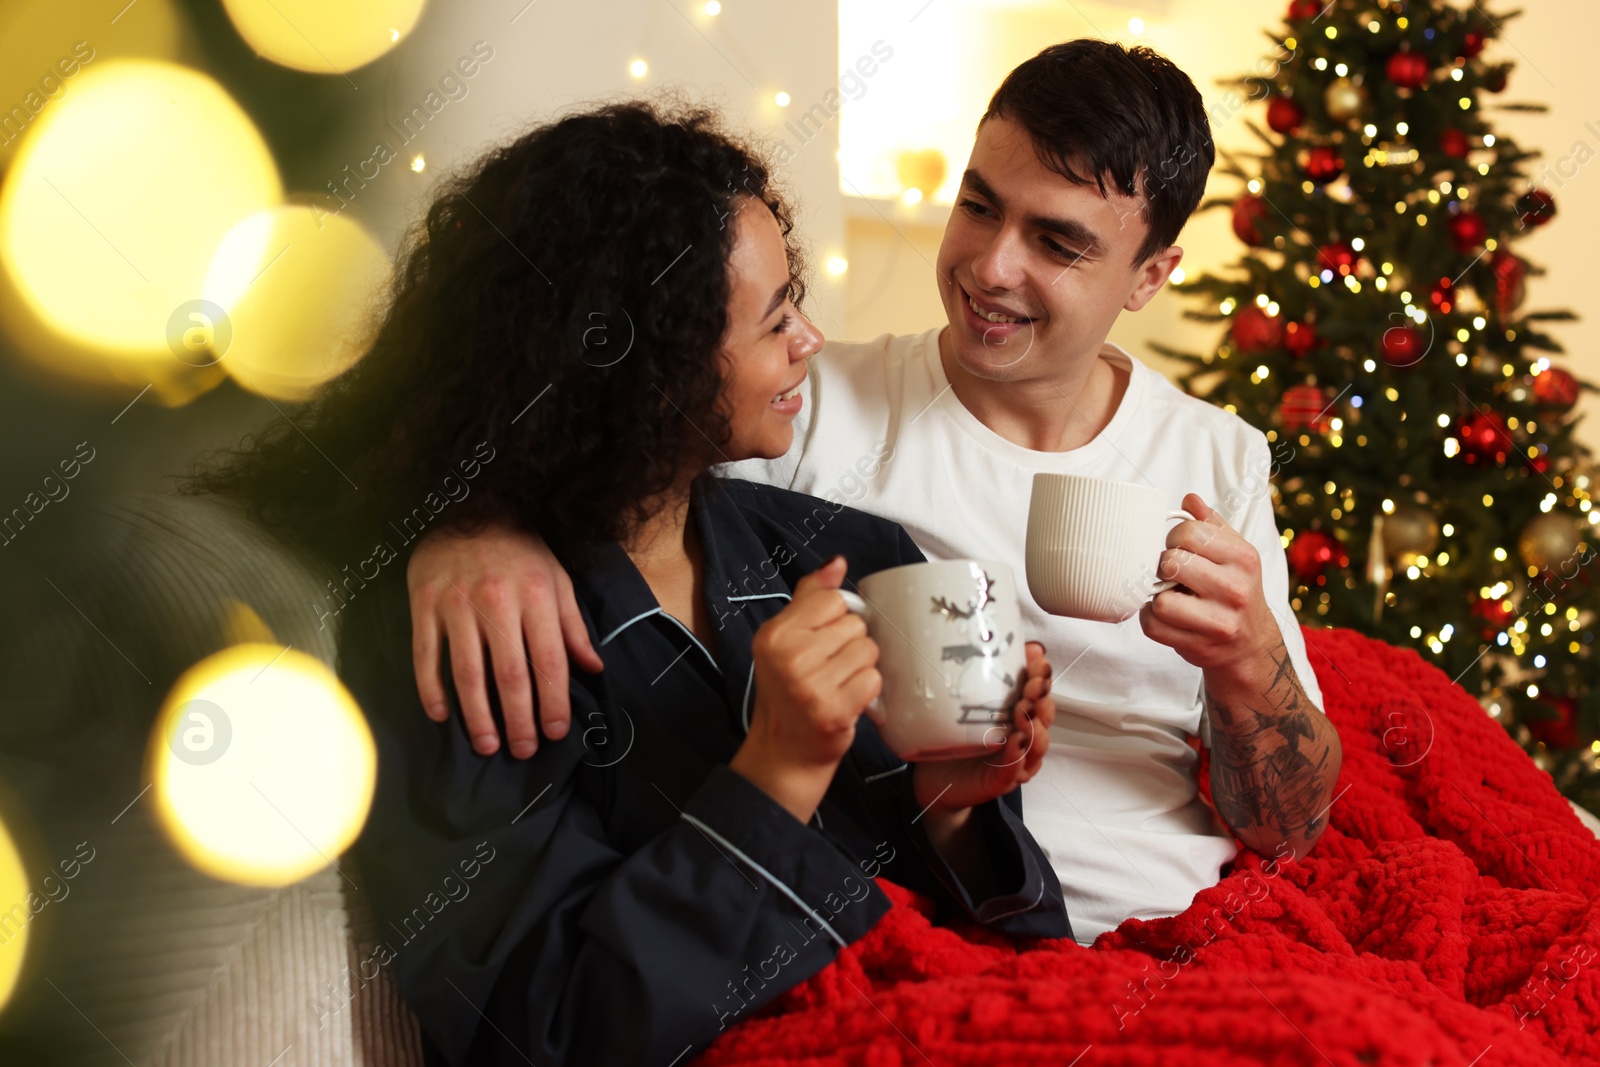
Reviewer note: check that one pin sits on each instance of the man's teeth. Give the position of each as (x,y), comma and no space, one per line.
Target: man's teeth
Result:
(790,395)
(992,316)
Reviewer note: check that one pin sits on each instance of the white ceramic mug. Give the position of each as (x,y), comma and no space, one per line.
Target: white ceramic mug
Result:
(1094,546)
(951,654)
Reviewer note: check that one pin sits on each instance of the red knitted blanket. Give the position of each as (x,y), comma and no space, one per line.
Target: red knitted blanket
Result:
(1447,916)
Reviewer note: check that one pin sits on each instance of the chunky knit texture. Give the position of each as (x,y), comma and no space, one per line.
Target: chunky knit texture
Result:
(1448,911)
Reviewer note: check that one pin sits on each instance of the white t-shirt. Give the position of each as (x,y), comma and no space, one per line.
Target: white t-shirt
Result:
(1116,804)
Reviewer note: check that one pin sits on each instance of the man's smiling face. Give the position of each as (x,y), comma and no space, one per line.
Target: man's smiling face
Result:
(1027,244)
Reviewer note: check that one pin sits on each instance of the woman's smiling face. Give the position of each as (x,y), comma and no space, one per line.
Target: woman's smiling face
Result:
(767,340)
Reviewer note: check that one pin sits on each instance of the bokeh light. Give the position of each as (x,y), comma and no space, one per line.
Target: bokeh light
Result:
(107,225)
(15,915)
(300,288)
(321,37)
(262,764)
(46,46)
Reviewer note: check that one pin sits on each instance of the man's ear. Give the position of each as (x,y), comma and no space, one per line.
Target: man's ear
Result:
(1152,276)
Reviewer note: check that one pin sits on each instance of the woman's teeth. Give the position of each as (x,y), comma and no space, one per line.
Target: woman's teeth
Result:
(790,395)
(992,316)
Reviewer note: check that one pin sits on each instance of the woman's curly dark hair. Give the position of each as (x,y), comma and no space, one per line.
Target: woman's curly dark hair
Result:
(564,301)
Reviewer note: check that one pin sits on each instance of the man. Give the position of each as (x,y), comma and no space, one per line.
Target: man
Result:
(1087,164)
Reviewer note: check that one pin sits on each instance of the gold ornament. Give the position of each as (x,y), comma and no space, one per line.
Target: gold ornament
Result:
(1345,100)
(1377,567)
(1548,540)
(1409,532)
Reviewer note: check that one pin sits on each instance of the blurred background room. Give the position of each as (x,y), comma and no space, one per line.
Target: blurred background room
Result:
(200,202)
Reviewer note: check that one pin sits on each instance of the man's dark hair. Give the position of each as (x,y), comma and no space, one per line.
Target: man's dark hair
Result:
(1095,108)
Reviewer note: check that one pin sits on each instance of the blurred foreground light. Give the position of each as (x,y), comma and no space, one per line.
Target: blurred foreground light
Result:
(15,915)
(299,285)
(262,764)
(108,225)
(321,37)
(46,46)
(837,265)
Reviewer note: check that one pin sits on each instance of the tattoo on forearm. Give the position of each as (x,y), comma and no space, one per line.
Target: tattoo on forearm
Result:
(1268,770)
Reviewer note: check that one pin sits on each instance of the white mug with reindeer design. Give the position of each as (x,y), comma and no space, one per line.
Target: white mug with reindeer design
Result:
(950,651)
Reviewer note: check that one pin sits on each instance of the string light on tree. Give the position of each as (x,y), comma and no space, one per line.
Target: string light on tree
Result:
(1378,317)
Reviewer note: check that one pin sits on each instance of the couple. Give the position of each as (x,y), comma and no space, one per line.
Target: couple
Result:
(698,829)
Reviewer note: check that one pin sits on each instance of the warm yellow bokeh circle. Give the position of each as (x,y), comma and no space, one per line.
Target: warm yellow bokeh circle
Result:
(117,200)
(46,46)
(15,915)
(300,287)
(262,764)
(322,37)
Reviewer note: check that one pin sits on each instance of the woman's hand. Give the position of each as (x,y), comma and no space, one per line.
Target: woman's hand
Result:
(816,670)
(947,790)
(498,588)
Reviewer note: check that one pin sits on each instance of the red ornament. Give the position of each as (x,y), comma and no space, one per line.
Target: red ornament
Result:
(1555,388)
(1403,345)
(1248,212)
(1323,164)
(1409,70)
(1304,9)
(1485,438)
(1284,115)
(1510,275)
(1498,613)
(1452,142)
(1443,297)
(1472,43)
(1559,727)
(1496,81)
(1312,552)
(1338,257)
(1537,206)
(1467,230)
(1256,331)
(1305,407)
(1300,338)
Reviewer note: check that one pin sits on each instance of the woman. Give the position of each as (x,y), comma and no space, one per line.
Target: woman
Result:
(592,317)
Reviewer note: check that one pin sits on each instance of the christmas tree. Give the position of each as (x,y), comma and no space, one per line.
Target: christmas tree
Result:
(1428,487)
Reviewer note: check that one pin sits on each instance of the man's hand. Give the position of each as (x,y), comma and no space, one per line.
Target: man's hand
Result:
(1218,616)
(496,588)
(1275,758)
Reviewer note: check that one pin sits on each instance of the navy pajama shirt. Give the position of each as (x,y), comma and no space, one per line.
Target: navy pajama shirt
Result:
(624,897)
